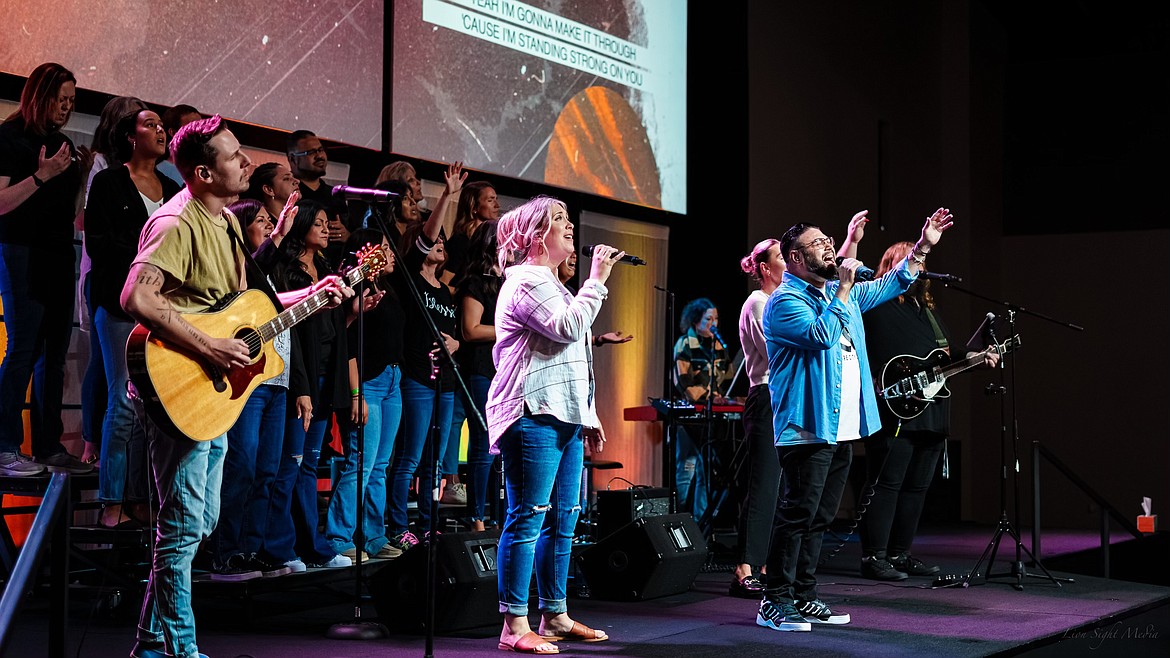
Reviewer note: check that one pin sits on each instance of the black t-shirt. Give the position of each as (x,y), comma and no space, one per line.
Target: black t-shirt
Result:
(384,326)
(476,357)
(457,248)
(417,341)
(893,329)
(46,218)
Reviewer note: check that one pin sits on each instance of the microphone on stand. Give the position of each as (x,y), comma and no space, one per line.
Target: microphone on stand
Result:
(363,194)
(862,273)
(935,276)
(587,250)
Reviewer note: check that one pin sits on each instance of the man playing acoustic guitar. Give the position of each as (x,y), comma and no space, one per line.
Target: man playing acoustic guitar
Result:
(190,256)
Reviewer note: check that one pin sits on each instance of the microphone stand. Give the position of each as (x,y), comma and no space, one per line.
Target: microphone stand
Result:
(1018,572)
(358,629)
(668,437)
(432,555)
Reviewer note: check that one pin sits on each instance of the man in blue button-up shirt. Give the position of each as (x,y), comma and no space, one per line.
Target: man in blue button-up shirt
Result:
(822,398)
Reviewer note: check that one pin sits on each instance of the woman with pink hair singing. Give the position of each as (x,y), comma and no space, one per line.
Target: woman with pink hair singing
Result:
(540,414)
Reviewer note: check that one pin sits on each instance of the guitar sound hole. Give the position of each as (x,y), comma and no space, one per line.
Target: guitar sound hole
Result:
(252,338)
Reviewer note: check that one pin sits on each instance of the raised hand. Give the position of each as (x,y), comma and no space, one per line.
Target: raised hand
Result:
(857,226)
(454,177)
(935,225)
(284,223)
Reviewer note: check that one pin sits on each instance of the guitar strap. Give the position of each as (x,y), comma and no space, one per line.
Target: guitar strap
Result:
(255,276)
(939,337)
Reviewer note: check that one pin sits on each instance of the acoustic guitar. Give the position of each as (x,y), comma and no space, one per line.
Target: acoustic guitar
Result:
(909,384)
(186,395)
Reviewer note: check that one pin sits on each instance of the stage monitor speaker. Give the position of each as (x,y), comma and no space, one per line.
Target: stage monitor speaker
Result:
(465,592)
(616,509)
(648,558)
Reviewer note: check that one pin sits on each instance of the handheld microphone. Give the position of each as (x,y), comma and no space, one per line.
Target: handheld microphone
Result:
(587,250)
(862,273)
(363,194)
(935,276)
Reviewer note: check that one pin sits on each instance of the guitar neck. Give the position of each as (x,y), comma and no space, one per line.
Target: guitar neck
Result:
(976,359)
(299,312)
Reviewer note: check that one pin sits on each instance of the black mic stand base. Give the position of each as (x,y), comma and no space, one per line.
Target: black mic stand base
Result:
(357,630)
(1018,571)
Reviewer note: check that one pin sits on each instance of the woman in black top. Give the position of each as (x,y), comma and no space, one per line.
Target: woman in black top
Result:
(318,385)
(422,246)
(476,294)
(902,457)
(41,178)
(379,407)
(121,199)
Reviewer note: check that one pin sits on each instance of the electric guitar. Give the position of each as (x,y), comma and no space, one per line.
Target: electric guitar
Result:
(909,384)
(186,395)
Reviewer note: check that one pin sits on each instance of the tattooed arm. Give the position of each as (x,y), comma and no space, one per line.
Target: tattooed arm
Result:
(143,299)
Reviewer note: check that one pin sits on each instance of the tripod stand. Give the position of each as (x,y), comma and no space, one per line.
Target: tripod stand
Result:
(1004,526)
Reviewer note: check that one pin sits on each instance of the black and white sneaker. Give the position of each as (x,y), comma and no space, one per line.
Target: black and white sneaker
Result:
(818,612)
(781,617)
(268,568)
(911,565)
(237,568)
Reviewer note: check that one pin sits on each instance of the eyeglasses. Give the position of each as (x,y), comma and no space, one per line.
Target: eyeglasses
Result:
(310,152)
(818,243)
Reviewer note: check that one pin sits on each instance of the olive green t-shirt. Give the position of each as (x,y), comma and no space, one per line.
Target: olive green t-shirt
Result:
(200,260)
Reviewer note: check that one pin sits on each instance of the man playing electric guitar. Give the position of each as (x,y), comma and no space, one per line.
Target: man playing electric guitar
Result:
(902,456)
(190,256)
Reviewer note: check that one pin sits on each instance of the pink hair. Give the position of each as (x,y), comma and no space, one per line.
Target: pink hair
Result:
(520,232)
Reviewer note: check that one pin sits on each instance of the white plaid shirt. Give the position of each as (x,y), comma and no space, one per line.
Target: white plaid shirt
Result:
(543,352)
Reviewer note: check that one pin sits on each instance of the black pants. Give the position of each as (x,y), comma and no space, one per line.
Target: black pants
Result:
(813,478)
(759,508)
(902,467)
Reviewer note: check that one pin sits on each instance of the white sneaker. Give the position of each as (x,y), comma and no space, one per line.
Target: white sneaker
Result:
(336,562)
(296,565)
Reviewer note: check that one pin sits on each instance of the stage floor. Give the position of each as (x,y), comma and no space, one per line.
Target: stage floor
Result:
(1091,616)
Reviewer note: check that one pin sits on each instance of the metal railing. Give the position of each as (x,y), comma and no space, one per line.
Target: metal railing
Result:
(1107,510)
(49,528)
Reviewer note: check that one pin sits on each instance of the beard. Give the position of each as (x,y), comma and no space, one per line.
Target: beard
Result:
(822,269)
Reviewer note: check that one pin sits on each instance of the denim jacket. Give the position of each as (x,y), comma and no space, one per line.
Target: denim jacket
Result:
(803,328)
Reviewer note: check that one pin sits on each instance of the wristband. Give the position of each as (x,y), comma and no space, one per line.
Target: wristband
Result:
(354,392)
(36,181)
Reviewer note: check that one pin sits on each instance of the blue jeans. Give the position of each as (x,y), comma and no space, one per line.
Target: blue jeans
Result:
(38,317)
(812,480)
(689,469)
(417,404)
(93,384)
(249,472)
(543,458)
(187,477)
(123,472)
(384,399)
(479,461)
(449,459)
(292,511)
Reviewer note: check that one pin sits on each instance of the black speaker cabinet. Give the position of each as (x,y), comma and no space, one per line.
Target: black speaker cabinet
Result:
(615,509)
(465,591)
(648,558)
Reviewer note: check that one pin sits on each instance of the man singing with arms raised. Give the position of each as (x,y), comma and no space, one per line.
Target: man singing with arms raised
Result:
(822,398)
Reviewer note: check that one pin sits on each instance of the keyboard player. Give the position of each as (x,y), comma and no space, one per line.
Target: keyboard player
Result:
(700,368)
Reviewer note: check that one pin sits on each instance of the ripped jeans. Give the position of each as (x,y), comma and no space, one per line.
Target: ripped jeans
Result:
(543,458)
